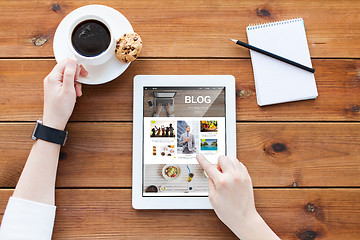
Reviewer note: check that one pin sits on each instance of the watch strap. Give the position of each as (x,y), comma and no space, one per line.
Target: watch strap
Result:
(49,134)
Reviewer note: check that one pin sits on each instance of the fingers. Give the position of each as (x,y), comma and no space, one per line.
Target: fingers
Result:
(225,163)
(83,71)
(237,164)
(60,67)
(80,71)
(211,187)
(209,168)
(67,71)
(78,89)
(243,168)
(69,75)
(77,72)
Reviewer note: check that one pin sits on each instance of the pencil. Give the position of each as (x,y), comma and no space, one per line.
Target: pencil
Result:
(273,55)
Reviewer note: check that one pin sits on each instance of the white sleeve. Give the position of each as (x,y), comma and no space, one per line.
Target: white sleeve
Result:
(27,220)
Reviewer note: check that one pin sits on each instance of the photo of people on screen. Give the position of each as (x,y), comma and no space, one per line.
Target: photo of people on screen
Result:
(188,137)
(187,141)
(161,129)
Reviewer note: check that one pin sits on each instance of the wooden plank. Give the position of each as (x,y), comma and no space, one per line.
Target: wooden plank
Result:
(293,214)
(187,28)
(338,84)
(276,154)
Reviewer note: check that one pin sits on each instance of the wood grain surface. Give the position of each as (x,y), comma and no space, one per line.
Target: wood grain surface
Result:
(276,154)
(303,157)
(338,83)
(293,214)
(187,28)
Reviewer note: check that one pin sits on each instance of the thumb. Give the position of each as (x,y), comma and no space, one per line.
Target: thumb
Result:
(69,75)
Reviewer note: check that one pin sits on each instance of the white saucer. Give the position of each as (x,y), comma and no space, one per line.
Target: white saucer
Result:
(119,25)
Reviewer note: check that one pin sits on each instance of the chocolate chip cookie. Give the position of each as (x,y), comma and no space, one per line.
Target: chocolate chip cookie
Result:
(128,47)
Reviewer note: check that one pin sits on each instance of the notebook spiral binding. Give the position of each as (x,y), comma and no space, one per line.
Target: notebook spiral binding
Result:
(270,24)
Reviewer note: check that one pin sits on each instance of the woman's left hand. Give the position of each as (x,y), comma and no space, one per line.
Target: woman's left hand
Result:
(60,92)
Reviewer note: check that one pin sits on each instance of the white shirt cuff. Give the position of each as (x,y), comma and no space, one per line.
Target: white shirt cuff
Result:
(27,220)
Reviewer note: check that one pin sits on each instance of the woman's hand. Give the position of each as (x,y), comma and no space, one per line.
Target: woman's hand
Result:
(168,109)
(60,92)
(230,189)
(231,195)
(158,108)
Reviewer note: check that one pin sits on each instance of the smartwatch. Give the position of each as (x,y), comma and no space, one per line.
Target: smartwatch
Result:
(49,134)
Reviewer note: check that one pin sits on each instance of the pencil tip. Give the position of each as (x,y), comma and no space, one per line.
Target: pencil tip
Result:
(233,40)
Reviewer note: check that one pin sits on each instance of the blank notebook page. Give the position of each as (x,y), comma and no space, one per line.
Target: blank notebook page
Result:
(276,81)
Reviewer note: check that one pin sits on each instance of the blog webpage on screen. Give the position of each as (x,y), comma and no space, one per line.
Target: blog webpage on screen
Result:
(180,122)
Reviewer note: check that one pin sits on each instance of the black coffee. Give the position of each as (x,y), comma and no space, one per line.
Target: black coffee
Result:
(90,38)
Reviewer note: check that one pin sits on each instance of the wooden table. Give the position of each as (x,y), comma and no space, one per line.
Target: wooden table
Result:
(304,157)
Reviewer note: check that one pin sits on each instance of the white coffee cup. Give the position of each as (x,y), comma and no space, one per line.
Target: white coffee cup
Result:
(91,60)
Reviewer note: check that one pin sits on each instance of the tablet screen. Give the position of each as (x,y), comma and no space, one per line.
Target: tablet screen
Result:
(180,122)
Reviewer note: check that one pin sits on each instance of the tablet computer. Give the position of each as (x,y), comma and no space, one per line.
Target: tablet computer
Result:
(175,118)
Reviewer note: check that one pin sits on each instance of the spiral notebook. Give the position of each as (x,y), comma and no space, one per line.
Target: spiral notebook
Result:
(276,81)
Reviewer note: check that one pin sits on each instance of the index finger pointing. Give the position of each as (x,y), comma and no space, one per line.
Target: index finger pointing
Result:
(209,168)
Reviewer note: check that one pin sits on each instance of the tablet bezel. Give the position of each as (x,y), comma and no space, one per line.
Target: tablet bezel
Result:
(141,81)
